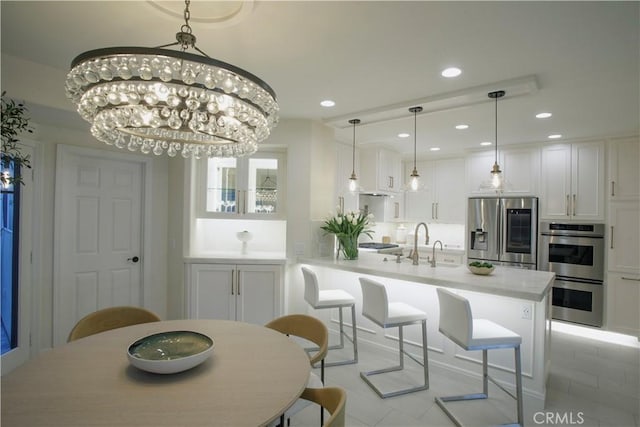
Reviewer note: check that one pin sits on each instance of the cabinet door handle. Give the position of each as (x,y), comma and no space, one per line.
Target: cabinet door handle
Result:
(341,204)
(612,237)
(574,205)
(238,282)
(232,293)
(633,279)
(567,205)
(396,210)
(390,182)
(613,188)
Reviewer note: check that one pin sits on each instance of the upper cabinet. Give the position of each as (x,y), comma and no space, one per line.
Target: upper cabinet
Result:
(381,170)
(520,168)
(246,187)
(624,169)
(443,198)
(572,181)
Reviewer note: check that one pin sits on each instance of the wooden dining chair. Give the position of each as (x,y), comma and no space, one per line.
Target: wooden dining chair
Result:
(110,318)
(310,329)
(333,399)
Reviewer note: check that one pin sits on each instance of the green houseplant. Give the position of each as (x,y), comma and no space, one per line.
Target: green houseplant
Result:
(347,227)
(14,122)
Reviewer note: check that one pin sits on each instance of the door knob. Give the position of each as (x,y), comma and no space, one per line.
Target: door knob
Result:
(133,259)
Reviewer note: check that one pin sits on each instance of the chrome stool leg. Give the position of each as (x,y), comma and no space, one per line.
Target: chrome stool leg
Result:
(485,391)
(353,339)
(424,363)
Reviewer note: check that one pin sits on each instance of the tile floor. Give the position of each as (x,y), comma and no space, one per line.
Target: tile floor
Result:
(591,383)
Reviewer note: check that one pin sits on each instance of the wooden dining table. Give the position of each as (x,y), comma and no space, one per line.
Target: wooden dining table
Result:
(252,377)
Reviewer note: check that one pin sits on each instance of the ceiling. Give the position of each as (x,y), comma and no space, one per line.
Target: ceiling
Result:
(375,59)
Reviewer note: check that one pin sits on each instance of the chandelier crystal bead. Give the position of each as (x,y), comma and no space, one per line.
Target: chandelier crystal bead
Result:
(165,101)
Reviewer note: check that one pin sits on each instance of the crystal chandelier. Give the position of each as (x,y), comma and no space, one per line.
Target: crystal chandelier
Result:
(160,100)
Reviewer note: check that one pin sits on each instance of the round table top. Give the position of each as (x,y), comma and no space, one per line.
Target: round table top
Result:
(253,375)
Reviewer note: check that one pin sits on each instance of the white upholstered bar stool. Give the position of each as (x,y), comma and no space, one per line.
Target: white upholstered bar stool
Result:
(377,308)
(457,324)
(332,298)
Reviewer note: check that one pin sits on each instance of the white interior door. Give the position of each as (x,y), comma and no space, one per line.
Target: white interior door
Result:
(98,243)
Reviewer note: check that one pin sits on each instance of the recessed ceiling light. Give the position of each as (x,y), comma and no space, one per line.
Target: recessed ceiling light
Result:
(403,135)
(543,115)
(485,143)
(434,149)
(327,103)
(555,136)
(461,127)
(451,72)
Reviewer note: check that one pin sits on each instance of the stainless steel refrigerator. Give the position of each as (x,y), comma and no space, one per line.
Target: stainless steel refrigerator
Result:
(503,231)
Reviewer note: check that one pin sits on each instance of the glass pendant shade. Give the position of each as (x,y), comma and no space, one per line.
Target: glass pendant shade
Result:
(353,183)
(156,100)
(414,181)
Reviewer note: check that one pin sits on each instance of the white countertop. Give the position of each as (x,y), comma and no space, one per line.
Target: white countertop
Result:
(504,281)
(236,257)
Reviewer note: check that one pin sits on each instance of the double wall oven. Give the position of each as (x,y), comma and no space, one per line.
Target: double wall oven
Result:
(575,252)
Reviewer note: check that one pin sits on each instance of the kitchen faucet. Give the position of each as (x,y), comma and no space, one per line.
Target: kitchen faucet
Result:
(414,254)
(433,260)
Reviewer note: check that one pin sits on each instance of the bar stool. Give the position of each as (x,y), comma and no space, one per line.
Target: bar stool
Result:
(333,298)
(377,308)
(457,324)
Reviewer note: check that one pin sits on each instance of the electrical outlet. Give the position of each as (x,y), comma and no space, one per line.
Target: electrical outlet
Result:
(526,311)
(298,248)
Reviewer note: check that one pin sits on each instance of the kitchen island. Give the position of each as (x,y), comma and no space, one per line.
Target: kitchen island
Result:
(517,299)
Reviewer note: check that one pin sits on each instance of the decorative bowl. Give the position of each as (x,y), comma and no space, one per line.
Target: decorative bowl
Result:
(483,271)
(170,352)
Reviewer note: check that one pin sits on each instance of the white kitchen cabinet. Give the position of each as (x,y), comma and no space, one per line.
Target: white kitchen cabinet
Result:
(624,237)
(520,168)
(443,199)
(244,292)
(624,169)
(572,181)
(381,170)
(623,300)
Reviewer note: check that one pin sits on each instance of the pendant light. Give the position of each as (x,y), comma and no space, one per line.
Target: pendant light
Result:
(414,178)
(496,173)
(353,180)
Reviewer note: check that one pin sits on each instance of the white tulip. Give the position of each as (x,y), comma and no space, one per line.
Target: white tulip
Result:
(339,220)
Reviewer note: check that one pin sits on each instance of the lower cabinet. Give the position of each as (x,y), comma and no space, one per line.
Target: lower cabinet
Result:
(245,292)
(623,300)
